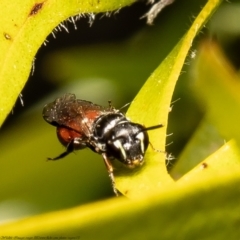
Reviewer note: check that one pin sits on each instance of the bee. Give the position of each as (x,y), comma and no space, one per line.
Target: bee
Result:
(105,130)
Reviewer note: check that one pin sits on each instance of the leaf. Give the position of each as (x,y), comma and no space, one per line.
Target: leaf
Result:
(24,27)
(221,163)
(205,141)
(219,86)
(173,211)
(151,107)
(193,210)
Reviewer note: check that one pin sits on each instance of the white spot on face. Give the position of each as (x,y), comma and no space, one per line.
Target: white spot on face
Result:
(140,136)
(119,146)
(127,146)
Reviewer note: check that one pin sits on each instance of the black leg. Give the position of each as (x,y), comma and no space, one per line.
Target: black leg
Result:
(70,149)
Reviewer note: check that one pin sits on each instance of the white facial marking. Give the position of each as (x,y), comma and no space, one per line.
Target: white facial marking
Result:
(127,146)
(140,136)
(119,146)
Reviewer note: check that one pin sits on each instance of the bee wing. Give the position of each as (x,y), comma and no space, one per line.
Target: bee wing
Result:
(67,111)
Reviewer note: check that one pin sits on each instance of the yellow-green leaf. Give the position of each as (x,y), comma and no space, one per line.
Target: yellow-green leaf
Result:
(151,107)
(219,86)
(24,27)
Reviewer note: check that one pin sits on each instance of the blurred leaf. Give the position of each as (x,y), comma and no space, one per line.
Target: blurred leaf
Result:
(196,213)
(219,86)
(204,142)
(221,163)
(24,28)
(27,176)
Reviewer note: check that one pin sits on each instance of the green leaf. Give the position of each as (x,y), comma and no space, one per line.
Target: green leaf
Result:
(154,100)
(24,27)
(160,208)
(192,210)
(205,140)
(221,163)
(219,86)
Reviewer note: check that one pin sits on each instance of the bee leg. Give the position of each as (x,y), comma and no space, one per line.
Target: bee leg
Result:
(69,149)
(156,150)
(110,173)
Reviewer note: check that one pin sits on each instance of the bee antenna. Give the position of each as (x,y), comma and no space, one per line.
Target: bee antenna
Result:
(152,127)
